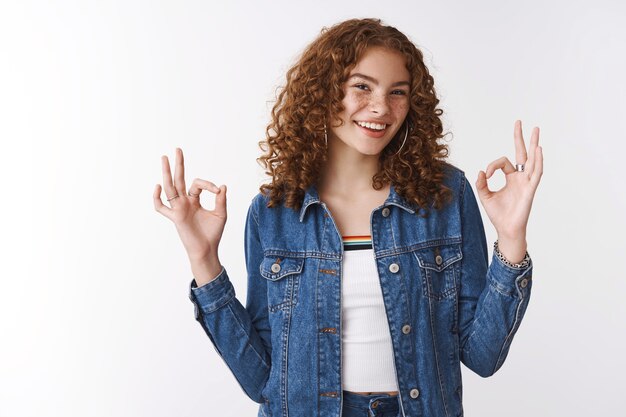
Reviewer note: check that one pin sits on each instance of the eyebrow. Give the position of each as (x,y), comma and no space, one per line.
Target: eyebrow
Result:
(367,77)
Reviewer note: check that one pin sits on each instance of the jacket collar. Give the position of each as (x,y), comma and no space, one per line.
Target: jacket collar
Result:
(311,197)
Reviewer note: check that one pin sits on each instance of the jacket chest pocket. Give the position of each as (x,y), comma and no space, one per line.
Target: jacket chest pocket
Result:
(283,276)
(439,268)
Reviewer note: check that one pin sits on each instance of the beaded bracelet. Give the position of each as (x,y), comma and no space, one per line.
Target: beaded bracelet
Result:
(525,262)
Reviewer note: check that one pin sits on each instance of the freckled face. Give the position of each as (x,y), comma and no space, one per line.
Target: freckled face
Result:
(377,91)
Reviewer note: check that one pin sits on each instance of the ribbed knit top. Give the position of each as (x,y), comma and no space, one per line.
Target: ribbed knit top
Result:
(367,353)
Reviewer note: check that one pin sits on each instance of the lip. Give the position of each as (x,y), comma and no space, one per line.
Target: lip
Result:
(378,122)
(371,133)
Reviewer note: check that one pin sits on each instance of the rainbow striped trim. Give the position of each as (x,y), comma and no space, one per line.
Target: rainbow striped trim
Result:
(357,242)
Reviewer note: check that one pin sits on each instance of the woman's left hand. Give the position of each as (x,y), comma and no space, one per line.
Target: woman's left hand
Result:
(509,207)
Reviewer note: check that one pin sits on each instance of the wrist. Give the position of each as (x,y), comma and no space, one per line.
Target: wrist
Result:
(513,245)
(210,257)
(511,235)
(205,270)
(515,256)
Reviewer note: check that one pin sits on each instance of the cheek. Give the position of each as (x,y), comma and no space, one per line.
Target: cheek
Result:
(354,101)
(400,106)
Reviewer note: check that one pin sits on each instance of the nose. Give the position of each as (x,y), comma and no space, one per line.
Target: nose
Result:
(378,104)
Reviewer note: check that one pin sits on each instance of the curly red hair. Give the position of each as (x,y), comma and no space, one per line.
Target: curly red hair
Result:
(295,149)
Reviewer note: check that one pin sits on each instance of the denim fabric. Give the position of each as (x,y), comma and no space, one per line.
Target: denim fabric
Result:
(445,304)
(373,405)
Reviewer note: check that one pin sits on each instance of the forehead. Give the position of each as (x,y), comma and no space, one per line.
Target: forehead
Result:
(383,64)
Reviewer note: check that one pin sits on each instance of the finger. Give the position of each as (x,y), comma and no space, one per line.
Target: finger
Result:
(198,185)
(530,164)
(158,203)
(520,147)
(538,171)
(168,185)
(500,163)
(482,188)
(220,201)
(179,172)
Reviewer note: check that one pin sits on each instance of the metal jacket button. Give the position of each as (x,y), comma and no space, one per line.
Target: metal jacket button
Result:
(385,212)
(406,329)
(394,268)
(524,282)
(438,260)
(414,393)
(275,268)
(375,404)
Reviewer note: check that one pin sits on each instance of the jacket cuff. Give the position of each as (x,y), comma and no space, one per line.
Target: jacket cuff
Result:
(212,295)
(508,280)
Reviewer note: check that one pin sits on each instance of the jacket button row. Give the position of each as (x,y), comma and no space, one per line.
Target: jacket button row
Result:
(385,212)
(438,260)
(524,282)
(406,329)
(414,393)
(394,268)
(275,268)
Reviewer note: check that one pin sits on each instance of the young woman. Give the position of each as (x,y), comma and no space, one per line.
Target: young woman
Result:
(368,273)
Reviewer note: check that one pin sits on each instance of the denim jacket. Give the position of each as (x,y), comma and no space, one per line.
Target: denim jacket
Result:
(444,304)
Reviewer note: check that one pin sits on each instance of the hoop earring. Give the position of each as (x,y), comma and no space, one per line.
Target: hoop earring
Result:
(325,136)
(406,133)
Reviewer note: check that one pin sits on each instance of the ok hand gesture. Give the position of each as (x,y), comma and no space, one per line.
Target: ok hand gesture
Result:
(509,208)
(199,229)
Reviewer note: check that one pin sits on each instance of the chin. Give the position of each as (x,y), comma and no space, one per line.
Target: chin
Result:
(370,151)
(370,146)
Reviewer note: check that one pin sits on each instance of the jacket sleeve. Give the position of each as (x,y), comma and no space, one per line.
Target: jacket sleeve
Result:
(492,300)
(241,336)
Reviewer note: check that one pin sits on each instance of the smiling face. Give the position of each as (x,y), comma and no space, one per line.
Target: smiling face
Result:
(377,91)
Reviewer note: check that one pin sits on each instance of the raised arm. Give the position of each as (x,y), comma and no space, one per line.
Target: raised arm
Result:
(493,300)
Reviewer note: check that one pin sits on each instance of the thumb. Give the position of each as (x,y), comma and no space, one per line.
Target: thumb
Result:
(220,200)
(481,186)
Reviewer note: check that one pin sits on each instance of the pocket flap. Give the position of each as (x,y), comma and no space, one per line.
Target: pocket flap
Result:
(448,254)
(274,268)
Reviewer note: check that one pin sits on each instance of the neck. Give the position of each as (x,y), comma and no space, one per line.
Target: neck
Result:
(347,171)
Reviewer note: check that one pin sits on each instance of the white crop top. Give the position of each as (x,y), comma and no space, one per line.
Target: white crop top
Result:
(366,350)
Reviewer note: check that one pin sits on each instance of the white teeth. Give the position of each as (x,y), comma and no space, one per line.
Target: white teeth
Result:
(374,126)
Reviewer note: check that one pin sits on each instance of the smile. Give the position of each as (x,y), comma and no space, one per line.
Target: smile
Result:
(373,130)
(372,126)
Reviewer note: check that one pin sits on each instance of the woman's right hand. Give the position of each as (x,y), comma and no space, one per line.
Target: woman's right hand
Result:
(199,229)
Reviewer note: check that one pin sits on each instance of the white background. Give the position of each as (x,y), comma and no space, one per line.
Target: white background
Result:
(94,314)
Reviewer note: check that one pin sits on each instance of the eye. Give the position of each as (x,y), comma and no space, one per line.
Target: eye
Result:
(395,92)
